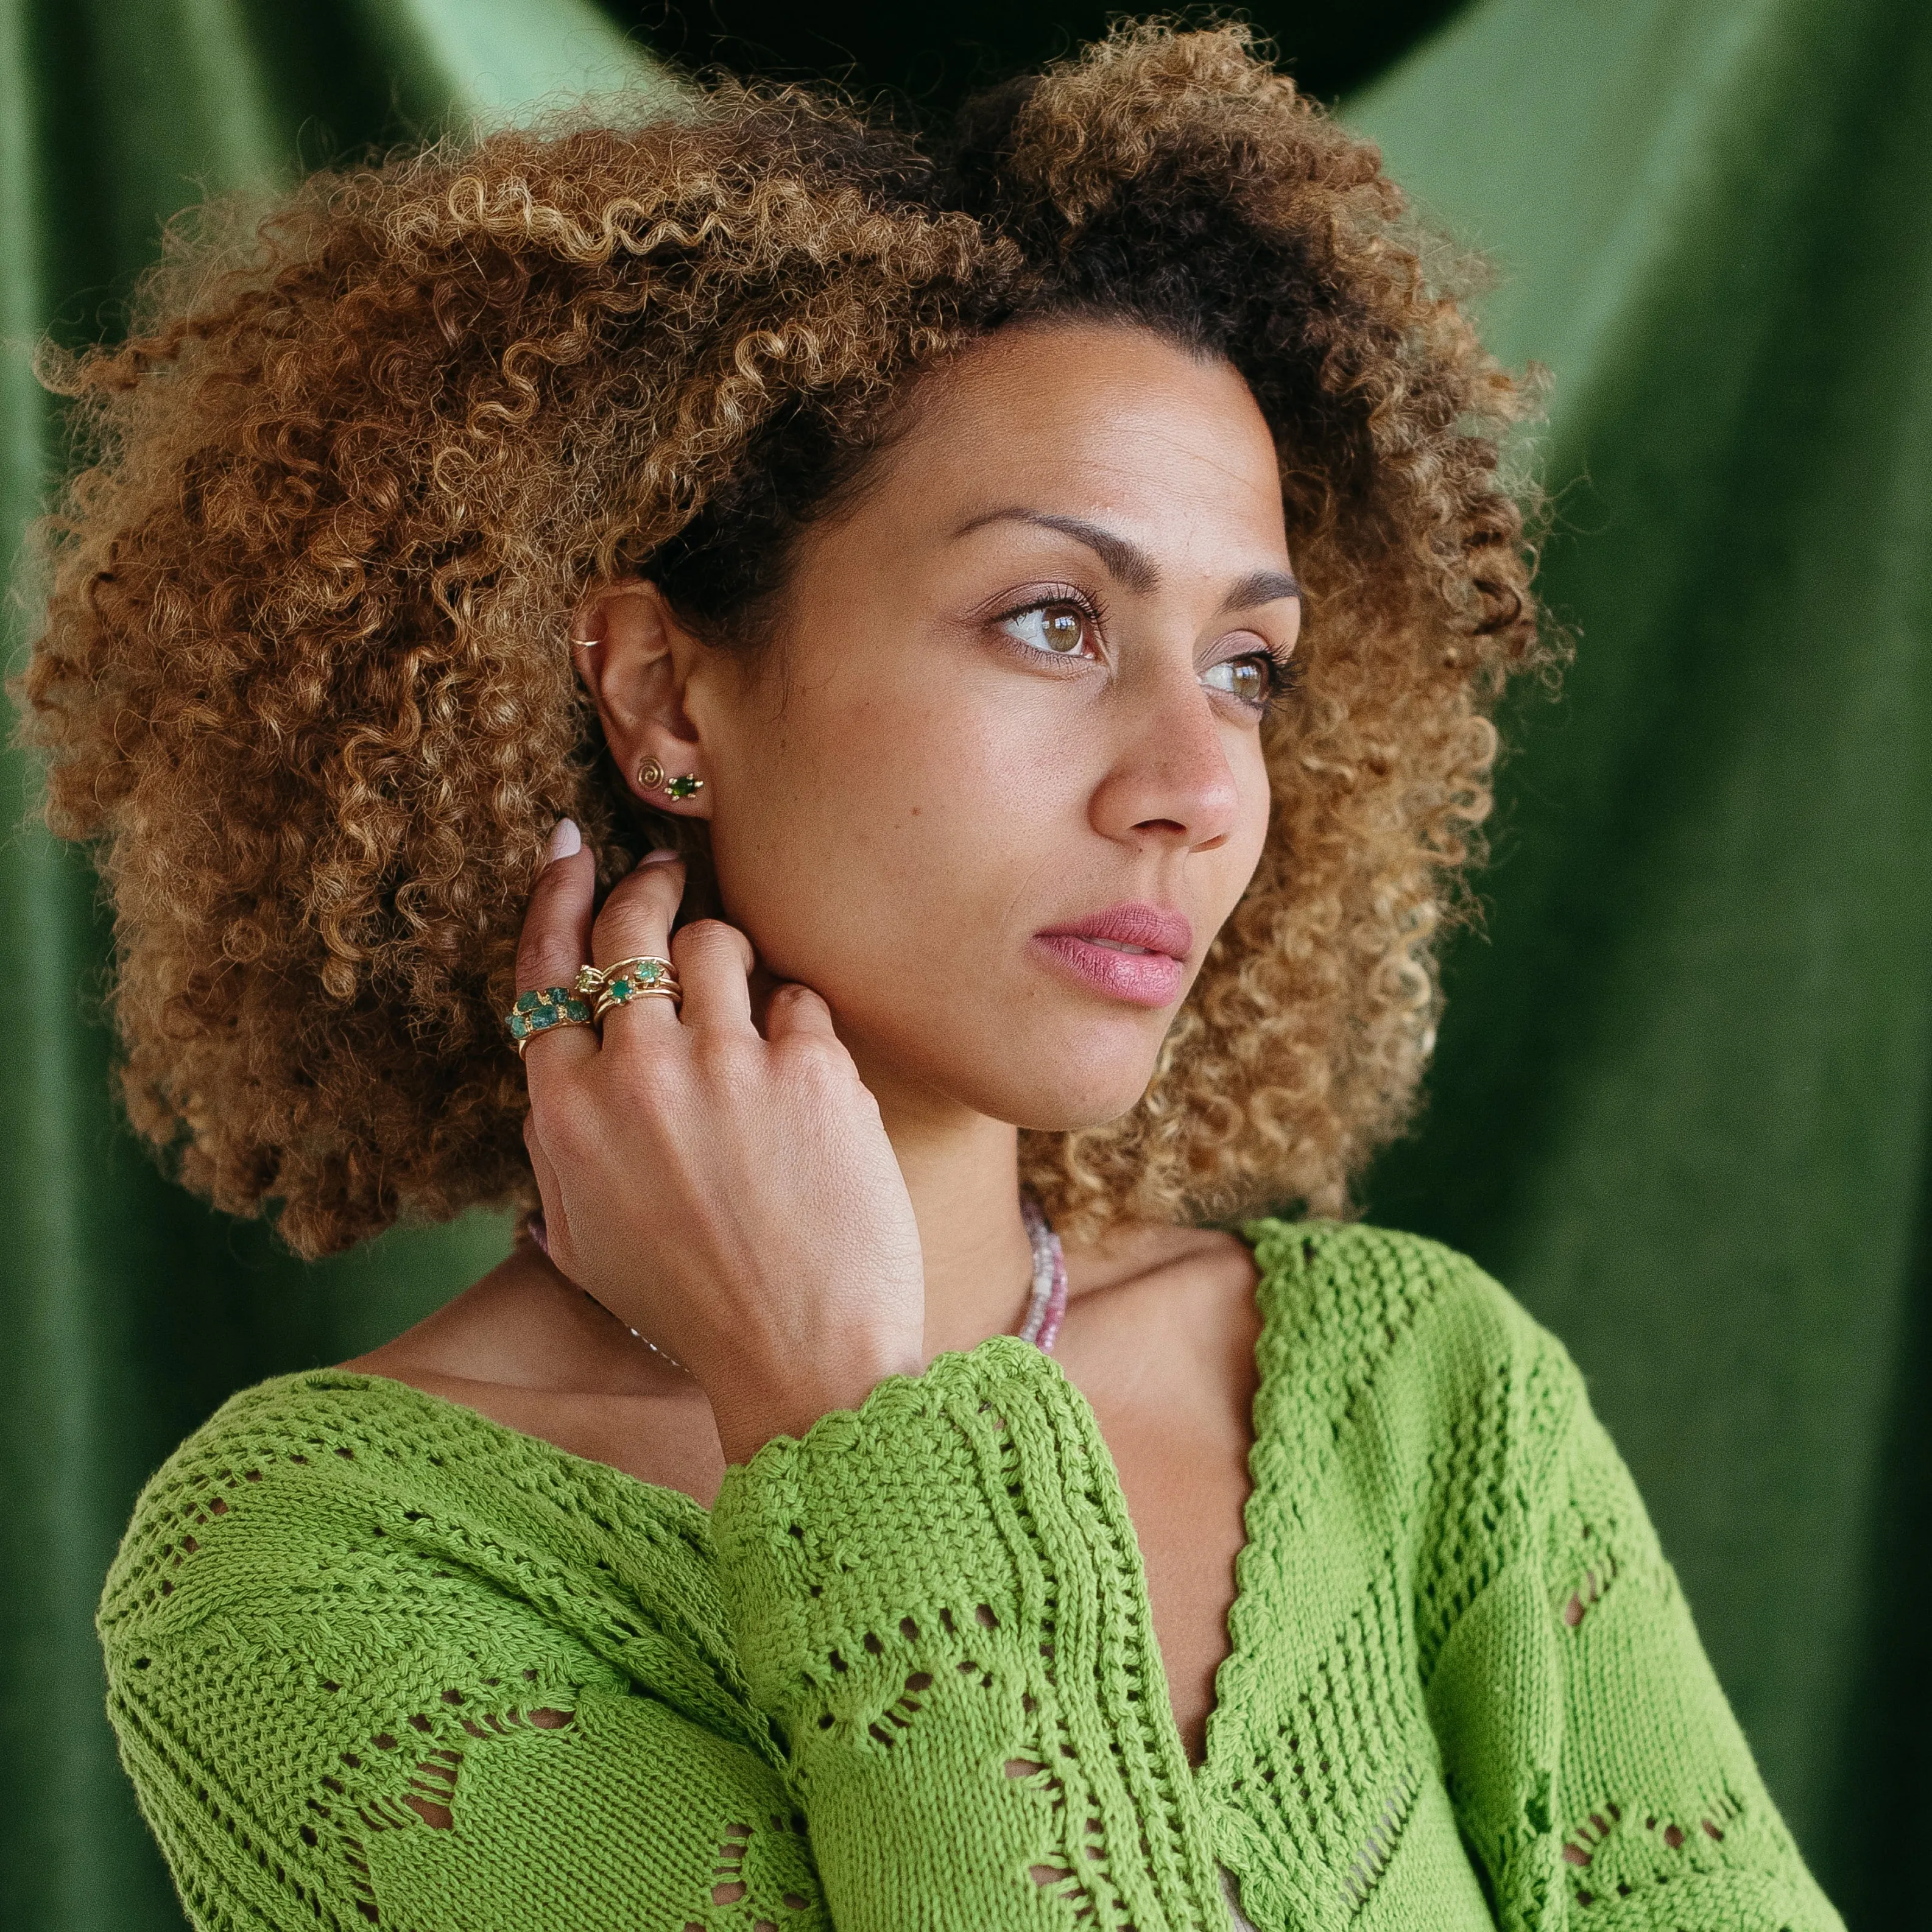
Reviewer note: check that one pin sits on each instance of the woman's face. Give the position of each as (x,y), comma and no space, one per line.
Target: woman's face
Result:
(1000,780)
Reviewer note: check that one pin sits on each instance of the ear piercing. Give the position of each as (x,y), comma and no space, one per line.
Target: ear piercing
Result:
(651,775)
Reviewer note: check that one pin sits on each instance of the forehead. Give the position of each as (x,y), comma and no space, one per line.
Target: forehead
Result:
(1090,418)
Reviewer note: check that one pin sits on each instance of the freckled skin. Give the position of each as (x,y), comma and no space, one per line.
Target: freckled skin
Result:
(900,798)
(1053,796)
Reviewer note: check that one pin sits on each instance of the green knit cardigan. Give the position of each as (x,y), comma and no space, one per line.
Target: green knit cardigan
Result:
(376,1661)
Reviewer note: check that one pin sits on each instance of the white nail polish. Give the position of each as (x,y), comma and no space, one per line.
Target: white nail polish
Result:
(565,838)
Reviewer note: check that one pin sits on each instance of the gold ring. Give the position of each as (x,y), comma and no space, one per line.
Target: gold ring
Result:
(542,1008)
(645,975)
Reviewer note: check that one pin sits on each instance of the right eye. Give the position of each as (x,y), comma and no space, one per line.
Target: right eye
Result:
(1061,628)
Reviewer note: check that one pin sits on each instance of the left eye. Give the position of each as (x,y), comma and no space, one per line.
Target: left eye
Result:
(1058,628)
(1250,678)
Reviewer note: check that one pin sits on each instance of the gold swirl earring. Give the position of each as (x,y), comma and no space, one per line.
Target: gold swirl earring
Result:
(651,775)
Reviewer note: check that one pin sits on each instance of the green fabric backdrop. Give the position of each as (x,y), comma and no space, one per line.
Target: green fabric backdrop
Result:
(1681,1101)
(1681,1098)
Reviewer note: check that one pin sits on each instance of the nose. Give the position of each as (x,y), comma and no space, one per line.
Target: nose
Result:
(1169,780)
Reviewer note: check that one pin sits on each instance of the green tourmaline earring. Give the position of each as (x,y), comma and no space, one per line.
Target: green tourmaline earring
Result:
(651,776)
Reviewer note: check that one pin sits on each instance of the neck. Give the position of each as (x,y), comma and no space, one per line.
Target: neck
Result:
(962,1170)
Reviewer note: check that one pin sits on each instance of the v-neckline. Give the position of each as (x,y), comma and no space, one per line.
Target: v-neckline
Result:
(1238,1661)
(688,1514)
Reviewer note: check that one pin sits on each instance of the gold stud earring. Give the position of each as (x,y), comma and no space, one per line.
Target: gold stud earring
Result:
(651,776)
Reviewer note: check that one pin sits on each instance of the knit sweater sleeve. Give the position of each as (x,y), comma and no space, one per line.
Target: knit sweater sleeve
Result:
(938,1599)
(924,1692)
(1597,1769)
(348,1693)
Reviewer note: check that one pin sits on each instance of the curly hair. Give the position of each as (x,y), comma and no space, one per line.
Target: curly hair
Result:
(303,680)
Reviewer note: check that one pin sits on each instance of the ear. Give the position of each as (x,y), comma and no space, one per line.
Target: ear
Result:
(633,657)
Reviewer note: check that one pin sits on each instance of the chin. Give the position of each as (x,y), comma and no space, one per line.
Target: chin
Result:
(1063,1121)
(1050,1071)
(1042,1104)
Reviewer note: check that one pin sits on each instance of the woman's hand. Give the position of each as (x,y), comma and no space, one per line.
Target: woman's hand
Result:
(732,1195)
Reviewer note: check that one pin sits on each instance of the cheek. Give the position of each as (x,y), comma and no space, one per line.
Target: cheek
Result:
(1256,791)
(884,817)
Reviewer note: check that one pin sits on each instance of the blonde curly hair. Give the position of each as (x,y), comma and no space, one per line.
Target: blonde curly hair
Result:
(303,679)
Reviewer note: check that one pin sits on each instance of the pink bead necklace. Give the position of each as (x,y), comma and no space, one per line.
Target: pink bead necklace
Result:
(1046,1302)
(1046,1307)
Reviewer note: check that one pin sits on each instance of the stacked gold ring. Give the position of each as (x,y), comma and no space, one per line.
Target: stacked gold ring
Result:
(643,976)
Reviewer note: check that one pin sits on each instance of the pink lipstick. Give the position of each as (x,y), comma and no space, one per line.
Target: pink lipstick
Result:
(1137,953)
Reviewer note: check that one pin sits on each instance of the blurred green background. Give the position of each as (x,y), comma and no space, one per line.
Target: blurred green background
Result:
(1681,1101)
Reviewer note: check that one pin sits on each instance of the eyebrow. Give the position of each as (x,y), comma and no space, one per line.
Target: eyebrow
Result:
(1130,564)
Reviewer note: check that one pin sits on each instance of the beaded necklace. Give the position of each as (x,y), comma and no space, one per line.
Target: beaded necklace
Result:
(1046,1301)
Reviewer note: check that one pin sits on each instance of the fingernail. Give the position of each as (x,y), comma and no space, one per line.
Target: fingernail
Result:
(662,856)
(565,838)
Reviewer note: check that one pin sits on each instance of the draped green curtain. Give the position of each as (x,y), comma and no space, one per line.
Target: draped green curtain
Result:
(128,1311)
(1681,1101)
(1681,1098)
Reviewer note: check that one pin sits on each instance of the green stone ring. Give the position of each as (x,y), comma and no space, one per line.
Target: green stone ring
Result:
(543,1007)
(635,979)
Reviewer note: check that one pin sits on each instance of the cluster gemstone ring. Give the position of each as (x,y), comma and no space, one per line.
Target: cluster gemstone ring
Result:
(543,1007)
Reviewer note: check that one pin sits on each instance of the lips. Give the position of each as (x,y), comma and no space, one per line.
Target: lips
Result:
(1137,953)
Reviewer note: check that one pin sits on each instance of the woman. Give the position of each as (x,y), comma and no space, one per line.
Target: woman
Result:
(901,559)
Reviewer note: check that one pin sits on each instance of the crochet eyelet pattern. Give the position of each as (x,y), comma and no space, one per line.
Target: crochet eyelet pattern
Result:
(376,1661)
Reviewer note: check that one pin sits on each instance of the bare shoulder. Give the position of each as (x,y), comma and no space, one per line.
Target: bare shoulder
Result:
(524,1348)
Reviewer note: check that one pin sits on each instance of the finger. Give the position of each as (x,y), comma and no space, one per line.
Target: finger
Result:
(714,963)
(635,922)
(549,1208)
(555,1241)
(557,930)
(795,1012)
